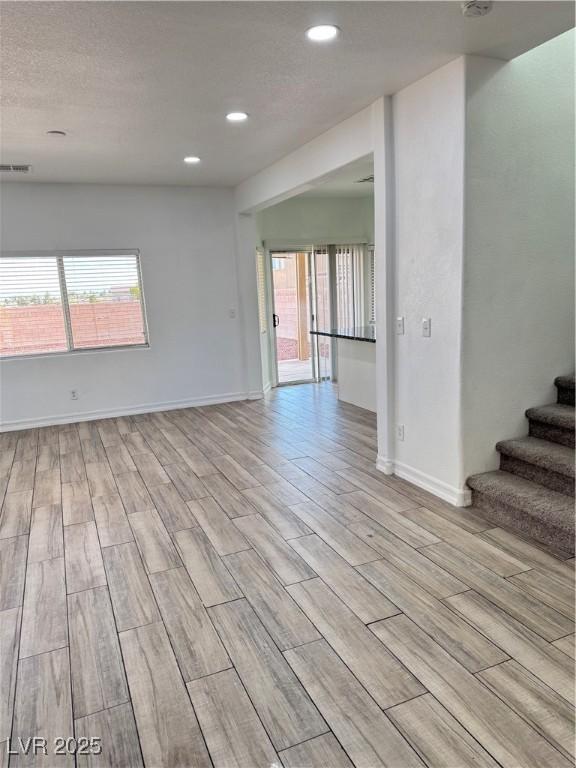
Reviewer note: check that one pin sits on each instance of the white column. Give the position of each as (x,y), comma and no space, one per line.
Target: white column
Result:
(384,266)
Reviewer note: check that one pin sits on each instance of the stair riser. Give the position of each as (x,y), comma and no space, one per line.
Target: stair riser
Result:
(565,396)
(521,521)
(553,480)
(551,433)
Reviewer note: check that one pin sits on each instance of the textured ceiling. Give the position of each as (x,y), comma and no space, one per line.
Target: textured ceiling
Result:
(346,181)
(139,85)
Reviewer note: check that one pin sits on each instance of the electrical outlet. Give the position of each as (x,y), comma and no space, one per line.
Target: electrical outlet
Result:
(231,313)
(400,431)
(426,327)
(400,326)
(73,394)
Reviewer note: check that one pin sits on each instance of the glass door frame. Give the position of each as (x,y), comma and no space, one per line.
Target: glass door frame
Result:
(274,352)
(313,303)
(312,315)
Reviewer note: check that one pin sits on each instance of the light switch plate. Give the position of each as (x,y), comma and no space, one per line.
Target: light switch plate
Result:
(399,326)
(427,327)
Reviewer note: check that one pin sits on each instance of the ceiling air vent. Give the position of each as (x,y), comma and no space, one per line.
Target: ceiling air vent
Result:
(472,9)
(367,180)
(15,168)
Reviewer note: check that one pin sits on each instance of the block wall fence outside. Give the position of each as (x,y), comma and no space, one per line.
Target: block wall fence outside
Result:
(97,324)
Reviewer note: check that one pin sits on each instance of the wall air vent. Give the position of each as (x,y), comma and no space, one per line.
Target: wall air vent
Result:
(15,168)
(367,180)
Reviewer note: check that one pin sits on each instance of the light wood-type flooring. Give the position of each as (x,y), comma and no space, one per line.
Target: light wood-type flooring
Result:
(238,586)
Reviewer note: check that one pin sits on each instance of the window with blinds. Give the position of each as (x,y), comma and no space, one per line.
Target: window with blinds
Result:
(65,302)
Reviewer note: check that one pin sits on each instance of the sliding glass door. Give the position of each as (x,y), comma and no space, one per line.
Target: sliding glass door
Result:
(317,289)
(302,303)
(292,315)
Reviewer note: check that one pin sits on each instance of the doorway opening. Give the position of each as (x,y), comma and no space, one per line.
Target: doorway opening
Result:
(300,292)
(316,278)
(292,315)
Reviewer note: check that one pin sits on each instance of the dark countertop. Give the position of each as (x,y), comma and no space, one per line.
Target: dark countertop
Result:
(359,333)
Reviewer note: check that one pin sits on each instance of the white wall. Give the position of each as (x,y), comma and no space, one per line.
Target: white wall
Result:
(186,239)
(246,239)
(518,320)
(429,188)
(484,245)
(318,221)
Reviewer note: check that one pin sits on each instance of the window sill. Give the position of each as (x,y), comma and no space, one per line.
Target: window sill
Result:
(74,352)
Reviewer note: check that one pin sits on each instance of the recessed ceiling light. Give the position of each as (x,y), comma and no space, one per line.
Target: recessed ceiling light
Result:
(322,33)
(236,117)
(56,133)
(192,160)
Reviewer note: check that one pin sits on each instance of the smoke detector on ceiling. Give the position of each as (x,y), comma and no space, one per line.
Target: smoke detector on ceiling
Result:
(15,168)
(472,9)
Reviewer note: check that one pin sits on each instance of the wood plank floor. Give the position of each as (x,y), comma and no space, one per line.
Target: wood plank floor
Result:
(237,586)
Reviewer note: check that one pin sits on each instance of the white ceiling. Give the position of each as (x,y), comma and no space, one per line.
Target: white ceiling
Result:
(346,181)
(139,85)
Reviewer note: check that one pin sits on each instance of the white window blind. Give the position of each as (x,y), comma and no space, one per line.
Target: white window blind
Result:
(322,280)
(70,301)
(352,293)
(261,278)
(358,263)
(344,286)
(31,312)
(371,286)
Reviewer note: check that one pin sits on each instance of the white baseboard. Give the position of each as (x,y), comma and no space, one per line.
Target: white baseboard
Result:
(459,497)
(168,405)
(257,394)
(385,465)
(267,388)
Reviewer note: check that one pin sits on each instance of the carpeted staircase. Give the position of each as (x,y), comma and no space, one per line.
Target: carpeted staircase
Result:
(533,491)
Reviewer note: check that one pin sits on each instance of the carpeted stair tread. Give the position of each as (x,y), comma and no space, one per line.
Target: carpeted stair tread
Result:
(542,453)
(535,499)
(566,382)
(533,491)
(555,415)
